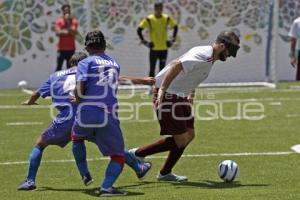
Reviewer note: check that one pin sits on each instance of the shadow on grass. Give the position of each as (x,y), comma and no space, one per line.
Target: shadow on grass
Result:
(201,184)
(149,184)
(89,191)
(216,185)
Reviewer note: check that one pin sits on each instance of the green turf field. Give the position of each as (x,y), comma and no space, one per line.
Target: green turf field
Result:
(258,140)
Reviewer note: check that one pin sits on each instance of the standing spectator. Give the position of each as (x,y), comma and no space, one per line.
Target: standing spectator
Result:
(158,43)
(65,29)
(295,44)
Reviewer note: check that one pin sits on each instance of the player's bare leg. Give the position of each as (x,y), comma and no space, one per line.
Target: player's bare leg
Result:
(182,141)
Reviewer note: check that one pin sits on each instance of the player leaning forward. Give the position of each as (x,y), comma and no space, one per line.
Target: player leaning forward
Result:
(175,86)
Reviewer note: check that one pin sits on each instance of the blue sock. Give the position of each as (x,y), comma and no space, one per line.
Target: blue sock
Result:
(34,162)
(113,171)
(79,153)
(131,162)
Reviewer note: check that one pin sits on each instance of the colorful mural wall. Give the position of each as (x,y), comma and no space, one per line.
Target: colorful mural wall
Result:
(28,43)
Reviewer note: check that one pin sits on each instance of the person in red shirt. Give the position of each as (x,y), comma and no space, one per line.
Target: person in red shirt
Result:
(65,29)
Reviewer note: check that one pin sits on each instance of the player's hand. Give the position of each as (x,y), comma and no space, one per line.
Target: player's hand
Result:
(74,100)
(67,17)
(293,61)
(160,96)
(64,31)
(170,43)
(27,102)
(148,44)
(190,98)
(148,81)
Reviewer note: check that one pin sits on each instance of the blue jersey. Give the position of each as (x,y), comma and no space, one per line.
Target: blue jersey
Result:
(60,87)
(100,74)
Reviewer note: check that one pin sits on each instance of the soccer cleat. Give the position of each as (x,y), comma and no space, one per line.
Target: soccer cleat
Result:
(87,179)
(145,167)
(138,158)
(28,185)
(111,192)
(171,177)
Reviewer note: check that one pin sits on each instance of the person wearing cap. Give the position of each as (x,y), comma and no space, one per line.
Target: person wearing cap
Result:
(157,25)
(294,34)
(173,99)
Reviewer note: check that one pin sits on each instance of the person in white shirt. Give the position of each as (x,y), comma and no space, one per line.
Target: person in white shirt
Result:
(295,46)
(173,95)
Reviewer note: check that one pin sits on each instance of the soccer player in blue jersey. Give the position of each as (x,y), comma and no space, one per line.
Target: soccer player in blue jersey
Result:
(58,86)
(97,119)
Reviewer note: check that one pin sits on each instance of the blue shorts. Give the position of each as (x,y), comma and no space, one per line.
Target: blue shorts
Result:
(101,128)
(58,133)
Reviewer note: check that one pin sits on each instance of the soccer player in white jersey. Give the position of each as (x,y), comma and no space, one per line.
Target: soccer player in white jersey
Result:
(173,95)
(294,34)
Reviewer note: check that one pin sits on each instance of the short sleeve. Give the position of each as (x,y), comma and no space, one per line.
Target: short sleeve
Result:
(188,64)
(172,22)
(144,23)
(58,24)
(74,24)
(45,90)
(82,70)
(293,30)
(189,60)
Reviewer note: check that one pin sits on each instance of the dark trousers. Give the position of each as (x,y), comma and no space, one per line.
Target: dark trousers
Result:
(154,56)
(298,68)
(63,56)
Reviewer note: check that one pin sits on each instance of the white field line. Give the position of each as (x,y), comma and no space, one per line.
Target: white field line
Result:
(24,107)
(276,102)
(292,115)
(283,153)
(250,90)
(23,123)
(216,90)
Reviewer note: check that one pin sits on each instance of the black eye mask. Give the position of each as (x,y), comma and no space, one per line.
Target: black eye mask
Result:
(232,48)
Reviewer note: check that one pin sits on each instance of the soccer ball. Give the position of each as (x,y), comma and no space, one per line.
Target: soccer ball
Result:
(22,84)
(228,170)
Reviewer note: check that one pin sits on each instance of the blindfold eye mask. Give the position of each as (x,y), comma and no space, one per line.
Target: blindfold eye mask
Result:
(232,48)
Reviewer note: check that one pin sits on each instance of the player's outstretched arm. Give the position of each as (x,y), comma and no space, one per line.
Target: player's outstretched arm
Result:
(32,100)
(138,80)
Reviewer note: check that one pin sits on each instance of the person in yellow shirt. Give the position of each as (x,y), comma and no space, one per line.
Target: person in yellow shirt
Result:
(157,24)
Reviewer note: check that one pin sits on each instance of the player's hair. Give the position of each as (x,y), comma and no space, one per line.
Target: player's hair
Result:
(65,6)
(95,40)
(76,58)
(158,5)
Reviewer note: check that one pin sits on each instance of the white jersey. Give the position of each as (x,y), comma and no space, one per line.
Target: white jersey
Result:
(295,31)
(196,63)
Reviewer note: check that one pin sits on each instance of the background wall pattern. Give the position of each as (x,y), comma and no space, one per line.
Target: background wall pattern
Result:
(27,37)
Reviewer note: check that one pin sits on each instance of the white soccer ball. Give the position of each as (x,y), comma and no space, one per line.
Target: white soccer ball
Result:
(22,84)
(228,170)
